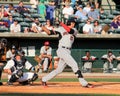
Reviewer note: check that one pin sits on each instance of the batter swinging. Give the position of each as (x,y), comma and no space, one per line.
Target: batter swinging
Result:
(68,34)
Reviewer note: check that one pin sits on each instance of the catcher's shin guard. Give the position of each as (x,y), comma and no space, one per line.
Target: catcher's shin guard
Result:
(35,76)
(16,76)
(79,74)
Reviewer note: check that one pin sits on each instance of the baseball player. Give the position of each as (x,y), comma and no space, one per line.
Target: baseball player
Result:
(46,55)
(3,44)
(87,62)
(118,62)
(15,69)
(108,62)
(68,34)
(10,53)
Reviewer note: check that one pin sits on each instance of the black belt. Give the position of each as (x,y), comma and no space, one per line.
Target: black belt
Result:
(66,47)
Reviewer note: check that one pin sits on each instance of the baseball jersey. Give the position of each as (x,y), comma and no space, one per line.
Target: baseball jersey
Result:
(11,63)
(9,55)
(67,39)
(47,52)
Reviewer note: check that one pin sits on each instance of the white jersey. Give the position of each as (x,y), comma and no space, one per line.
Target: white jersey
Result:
(67,39)
(47,52)
(9,55)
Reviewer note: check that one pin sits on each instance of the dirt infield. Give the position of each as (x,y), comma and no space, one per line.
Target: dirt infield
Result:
(67,87)
(63,88)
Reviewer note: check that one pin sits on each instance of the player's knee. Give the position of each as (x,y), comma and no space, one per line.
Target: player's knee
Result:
(79,74)
(35,77)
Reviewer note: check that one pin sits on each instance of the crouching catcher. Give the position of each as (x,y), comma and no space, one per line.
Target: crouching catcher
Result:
(15,69)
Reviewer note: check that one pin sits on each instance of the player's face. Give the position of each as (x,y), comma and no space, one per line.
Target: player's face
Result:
(18,58)
(46,47)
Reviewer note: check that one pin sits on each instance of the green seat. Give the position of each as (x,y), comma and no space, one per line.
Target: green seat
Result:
(102,16)
(4,18)
(80,27)
(18,19)
(33,11)
(28,20)
(3,29)
(24,24)
(115,12)
(107,21)
(117,31)
(15,14)
(110,16)
(35,15)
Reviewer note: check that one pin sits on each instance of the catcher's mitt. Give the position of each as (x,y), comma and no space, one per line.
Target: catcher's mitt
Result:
(37,68)
(37,59)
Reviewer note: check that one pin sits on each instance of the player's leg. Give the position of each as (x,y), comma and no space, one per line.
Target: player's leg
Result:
(27,78)
(118,67)
(1,74)
(59,69)
(45,65)
(68,59)
(15,76)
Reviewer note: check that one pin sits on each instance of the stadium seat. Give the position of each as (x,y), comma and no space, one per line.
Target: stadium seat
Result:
(24,24)
(3,29)
(107,21)
(33,11)
(28,20)
(117,31)
(35,15)
(102,16)
(18,19)
(110,16)
(15,15)
(80,27)
(115,12)
(4,19)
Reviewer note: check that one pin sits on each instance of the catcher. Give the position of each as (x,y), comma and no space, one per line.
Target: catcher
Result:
(15,69)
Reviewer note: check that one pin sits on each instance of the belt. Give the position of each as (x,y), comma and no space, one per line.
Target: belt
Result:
(66,47)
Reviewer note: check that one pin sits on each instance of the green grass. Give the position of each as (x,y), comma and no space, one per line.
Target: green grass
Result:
(57,94)
(76,80)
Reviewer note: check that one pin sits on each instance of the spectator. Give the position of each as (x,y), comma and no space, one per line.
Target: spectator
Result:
(21,9)
(80,14)
(9,21)
(67,11)
(11,9)
(97,7)
(42,9)
(50,10)
(87,8)
(34,3)
(49,25)
(93,15)
(118,21)
(108,62)
(3,12)
(91,2)
(118,62)
(11,53)
(97,28)
(114,24)
(88,28)
(15,27)
(46,55)
(88,60)
(36,28)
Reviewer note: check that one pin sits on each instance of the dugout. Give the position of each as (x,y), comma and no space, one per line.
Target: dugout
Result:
(96,44)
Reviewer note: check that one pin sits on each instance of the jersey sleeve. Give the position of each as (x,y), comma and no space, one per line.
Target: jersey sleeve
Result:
(9,64)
